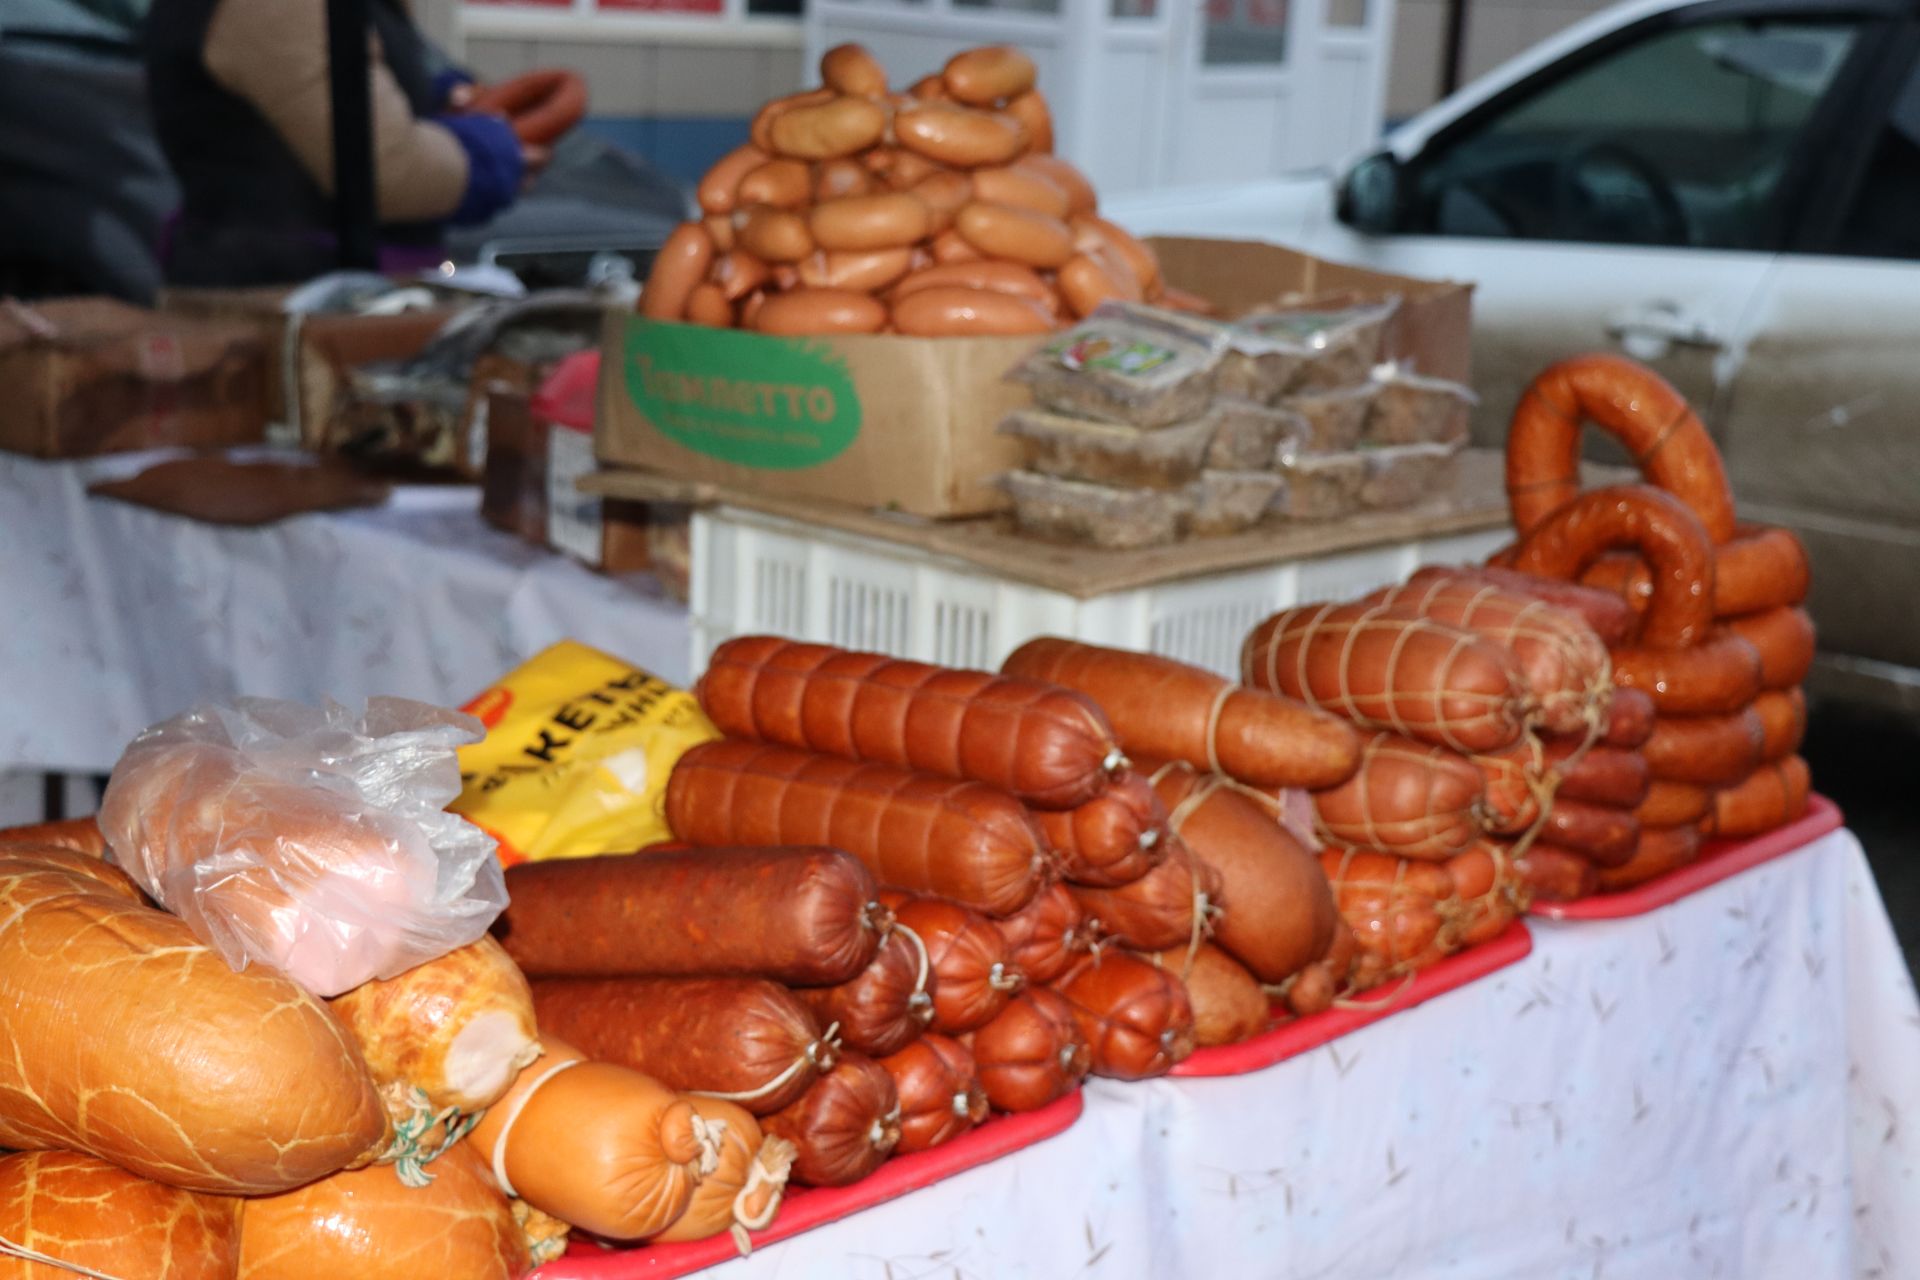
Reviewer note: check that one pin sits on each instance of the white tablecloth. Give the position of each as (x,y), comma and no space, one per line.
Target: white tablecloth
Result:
(1729,1087)
(117,616)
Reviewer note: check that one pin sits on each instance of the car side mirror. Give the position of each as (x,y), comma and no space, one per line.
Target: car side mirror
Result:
(1370,195)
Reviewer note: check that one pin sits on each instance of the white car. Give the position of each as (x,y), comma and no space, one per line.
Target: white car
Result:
(1727,190)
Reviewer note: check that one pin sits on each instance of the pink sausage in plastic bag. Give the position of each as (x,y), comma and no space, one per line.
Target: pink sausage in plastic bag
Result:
(313,840)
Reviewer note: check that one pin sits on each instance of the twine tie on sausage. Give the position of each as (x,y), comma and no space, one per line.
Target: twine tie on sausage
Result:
(1000,980)
(1213,726)
(828,1042)
(920,1003)
(513,1118)
(409,1153)
(1382,1002)
(769,1166)
(8,1249)
(708,1135)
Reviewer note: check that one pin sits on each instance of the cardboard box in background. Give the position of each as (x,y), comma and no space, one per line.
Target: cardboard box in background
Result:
(910,423)
(85,376)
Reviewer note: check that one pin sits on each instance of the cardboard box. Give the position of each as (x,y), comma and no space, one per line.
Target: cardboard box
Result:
(86,376)
(910,423)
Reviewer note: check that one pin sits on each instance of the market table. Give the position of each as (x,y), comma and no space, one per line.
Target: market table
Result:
(119,616)
(1724,1087)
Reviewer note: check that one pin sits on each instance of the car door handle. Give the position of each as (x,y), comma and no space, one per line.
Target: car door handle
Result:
(1663,324)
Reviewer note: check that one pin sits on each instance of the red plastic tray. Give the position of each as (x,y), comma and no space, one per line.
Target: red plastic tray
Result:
(1293,1038)
(808,1207)
(1718,860)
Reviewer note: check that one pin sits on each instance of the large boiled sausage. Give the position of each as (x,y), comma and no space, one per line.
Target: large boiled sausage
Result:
(1134,1015)
(886,1005)
(1114,838)
(1408,799)
(1032,1053)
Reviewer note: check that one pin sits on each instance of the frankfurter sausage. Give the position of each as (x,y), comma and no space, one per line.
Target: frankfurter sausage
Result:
(792,915)
(779,184)
(88,1213)
(1045,936)
(1134,1016)
(1016,235)
(1708,751)
(1091,232)
(1088,280)
(929,89)
(1657,524)
(1629,719)
(1785,641)
(708,305)
(968,313)
(77,835)
(998,277)
(772,235)
(1719,675)
(1228,1003)
(959,136)
(1556,875)
(890,220)
(1661,849)
(1021,186)
(1168,710)
(1031,110)
(833,179)
(1407,798)
(760,130)
(850,69)
(1673,804)
(738,273)
(906,170)
(844,1127)
(606,1149)
(944,192)
(989,74)
(840,126)
(1605,836)
(1313,989)
(1163,908)
(1611,618)
(1599,775)
(98,987)
(1112,839)
(861,272)
(1783,722)
(682,263)
(745,1188)
(1032,1054)
(1562,658)
(960,840)
(1280,914)
(717,192)
(940,1096)
(1387,670)
(1775,795)
(1070,181)
(804,312)
(1763,567)
(973,970)
(743,1040)
(1049,746)
(950,247)
(1638,408)
(882,1009)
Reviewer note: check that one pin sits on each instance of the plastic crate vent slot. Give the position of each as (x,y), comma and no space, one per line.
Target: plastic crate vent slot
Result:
(779,597)
(863,616)
(960,636)
(1210,636)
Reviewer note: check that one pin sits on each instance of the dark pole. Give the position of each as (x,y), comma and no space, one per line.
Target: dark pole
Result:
(354,199)
(1456,46)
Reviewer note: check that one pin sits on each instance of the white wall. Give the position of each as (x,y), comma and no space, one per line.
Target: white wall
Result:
(1496,31)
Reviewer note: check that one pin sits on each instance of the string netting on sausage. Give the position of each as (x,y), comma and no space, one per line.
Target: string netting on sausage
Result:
(1389,897)
(819,1054)
(8,1249)
(1393,836)
(1204,909)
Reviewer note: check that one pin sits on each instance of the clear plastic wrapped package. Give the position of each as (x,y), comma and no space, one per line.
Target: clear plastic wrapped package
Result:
(311,839)
(1102,453)
(1346,341)
(1333,418)
(1404,474)
(1075,511)
(1247,435)
(1230,501)
(1129,364)
(1320,486)
(1262,367)
(1409,409)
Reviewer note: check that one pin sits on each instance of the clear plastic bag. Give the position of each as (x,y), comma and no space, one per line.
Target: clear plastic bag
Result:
(1129,364)
(311,839)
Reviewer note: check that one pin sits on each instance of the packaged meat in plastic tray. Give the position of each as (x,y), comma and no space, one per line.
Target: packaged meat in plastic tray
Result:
(1247,435)
(1261,366)
(1404,474)
(1075,511)
(1230,501)
(1333,417)
(1128,364)
(1409,409)
(1103,453)
(1320,486)
(1346,340)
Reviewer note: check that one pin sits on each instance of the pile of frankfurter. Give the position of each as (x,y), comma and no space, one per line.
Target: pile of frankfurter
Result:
(938,212)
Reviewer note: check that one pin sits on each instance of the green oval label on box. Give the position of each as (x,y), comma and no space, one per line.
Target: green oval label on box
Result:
(747,398)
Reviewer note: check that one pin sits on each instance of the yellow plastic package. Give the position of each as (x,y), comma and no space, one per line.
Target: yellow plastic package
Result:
(578,749)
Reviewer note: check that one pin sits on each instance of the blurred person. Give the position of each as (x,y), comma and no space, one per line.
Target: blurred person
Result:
(242,106)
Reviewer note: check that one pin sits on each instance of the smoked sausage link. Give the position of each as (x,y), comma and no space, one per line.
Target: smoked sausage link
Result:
(1715,677)
(1162,908)
(1775,795)
(1112,839)
(1605,836)
(1613,620)
(1629,719)
(744,1040)
(940,1097)
(1661,849)
(1764,567)
(961,840)
(1637,407)
(1228,1003)
(1556,875)
(844,1127)
(1674,804)
(886,1005)
(1599,775)
(1045,936)
(1168,710)
(1050,747)
(1032,1054)
(1783,722)
(792,915)
(1785,640)
(1134,1015)
(1708,751)
(1408,799)
(973,971)
(1659,526)
(1387,670)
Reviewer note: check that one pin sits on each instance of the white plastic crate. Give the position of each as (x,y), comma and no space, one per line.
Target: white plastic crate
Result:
(756,573)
